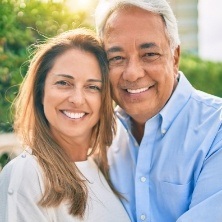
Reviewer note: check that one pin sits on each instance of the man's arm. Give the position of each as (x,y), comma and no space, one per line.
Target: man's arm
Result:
(206,202)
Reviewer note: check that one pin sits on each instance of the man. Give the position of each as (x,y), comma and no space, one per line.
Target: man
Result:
(166,158)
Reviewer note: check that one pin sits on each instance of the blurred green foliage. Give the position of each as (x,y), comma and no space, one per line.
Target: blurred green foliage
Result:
(4,159)
(23,23)
(204,75)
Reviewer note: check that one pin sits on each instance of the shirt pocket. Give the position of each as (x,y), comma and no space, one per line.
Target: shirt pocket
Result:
(175,197)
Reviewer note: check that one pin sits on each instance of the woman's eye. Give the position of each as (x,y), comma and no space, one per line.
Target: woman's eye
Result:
(94,88)
(62,83)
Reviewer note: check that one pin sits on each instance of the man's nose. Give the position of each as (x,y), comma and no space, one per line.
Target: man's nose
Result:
(133,70)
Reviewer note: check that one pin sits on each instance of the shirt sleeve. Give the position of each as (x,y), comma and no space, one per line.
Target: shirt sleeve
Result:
(206,202)
(21,189)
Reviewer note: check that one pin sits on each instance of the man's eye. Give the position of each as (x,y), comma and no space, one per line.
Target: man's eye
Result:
(116,60)
(151,56)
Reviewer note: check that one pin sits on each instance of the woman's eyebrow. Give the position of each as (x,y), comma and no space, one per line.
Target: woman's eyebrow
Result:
(94,80)
(71,77)
(65,75)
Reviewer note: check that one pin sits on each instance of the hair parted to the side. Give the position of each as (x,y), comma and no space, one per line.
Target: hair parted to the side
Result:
(106,7)
(63,181)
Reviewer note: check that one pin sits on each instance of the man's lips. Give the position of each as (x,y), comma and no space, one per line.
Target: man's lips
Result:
(138,90)
(74,115)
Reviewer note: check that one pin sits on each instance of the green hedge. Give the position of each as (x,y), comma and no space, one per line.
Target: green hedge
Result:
(204,75)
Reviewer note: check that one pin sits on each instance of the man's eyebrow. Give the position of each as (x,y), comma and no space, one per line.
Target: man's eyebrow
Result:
(148,45)
(142,46)
(114,49)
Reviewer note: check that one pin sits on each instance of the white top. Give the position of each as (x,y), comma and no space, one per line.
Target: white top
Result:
(21,187)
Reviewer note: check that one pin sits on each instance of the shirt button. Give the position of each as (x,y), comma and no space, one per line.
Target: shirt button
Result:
(143,217)
(10,191)
(143,179)
(163,131)
(23,155)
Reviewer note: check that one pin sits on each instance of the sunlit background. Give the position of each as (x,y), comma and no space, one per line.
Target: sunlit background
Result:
(210,29)
(76,5)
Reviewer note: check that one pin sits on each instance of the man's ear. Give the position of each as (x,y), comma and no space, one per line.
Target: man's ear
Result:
(176,57)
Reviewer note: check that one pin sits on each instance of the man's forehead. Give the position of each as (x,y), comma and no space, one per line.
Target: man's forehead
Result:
(128,15)
(124,29)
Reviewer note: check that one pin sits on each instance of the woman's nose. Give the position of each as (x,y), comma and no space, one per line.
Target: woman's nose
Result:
(77,97)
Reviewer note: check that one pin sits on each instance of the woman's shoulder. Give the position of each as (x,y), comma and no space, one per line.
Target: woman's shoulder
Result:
(23,169)
(22,163)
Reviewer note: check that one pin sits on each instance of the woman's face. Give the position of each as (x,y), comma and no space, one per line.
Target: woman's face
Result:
(72,96)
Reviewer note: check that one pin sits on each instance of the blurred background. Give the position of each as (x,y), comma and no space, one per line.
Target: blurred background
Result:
(26,22)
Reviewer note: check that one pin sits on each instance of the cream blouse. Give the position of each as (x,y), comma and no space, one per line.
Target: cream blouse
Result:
(21,187)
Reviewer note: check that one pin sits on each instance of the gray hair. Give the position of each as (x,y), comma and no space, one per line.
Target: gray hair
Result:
(106,7)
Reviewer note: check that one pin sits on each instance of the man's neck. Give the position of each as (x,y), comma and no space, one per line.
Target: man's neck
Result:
(137,130)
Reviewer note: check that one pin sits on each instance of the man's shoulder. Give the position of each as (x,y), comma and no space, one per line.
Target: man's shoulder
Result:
(207,99)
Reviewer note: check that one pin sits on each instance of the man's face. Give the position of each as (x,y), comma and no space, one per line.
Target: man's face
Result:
(143,69)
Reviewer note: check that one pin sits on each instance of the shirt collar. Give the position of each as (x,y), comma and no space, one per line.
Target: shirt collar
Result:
(175,104)
(123,116)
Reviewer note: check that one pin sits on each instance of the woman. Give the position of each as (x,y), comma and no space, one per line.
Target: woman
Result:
(63,114)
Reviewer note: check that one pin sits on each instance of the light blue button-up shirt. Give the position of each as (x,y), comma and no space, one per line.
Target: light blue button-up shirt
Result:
(175,174)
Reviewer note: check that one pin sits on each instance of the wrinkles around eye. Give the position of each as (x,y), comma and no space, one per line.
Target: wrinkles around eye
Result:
(116,60)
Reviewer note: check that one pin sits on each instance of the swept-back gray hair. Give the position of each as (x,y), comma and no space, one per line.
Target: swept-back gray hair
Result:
(106,7)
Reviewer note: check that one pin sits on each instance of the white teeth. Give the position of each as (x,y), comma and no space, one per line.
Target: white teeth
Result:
(137,90)
(74,115)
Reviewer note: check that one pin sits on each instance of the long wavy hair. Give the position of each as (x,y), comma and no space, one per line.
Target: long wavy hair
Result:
(62,179)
